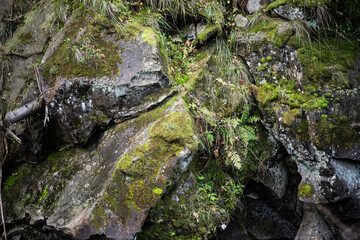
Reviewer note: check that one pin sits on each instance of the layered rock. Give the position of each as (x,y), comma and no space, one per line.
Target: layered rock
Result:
(108,188)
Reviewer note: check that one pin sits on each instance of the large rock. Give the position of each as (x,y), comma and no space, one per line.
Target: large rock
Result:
(315,119)
(31,38)
(23,51)
(109,187)
(313,225)
(241,21)
(96,78)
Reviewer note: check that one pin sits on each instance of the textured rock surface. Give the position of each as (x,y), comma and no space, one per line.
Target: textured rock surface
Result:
(136,83)
(290,13)
(119,158)
(109,188)
(253,6)
(241,21)
(31,38)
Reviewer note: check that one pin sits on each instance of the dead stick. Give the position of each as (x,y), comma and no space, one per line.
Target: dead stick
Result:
(1,206)
(3,136)
(23,111)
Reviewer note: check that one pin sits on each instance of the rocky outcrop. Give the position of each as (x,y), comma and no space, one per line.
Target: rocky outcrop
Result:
(313,119)
(277,115)
(107,188)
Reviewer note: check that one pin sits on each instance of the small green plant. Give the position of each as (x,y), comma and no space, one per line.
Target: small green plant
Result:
(86,52)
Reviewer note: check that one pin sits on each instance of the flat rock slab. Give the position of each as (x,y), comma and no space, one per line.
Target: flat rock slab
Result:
(108,188)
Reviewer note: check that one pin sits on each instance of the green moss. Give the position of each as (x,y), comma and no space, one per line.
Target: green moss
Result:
(318,103)
(262,60)
(267,94)
(149,36)
(103,62)
(335,131)
(290,116)
(175,128)
(327,62)
(43,195)
(25,38)
(157,191)
(269,58)
(270,26)
(287,94)
(276,4)
(305,191)
(209,31)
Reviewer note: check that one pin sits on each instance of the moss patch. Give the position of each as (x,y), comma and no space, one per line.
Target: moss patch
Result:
(209,31)
(290,116)
(149,36)
(21,193)
(305,191)
(327,62)
(334,131)
(276,4)
(99,57)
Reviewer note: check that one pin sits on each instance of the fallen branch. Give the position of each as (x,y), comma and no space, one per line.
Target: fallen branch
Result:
(23,111)
(12,19)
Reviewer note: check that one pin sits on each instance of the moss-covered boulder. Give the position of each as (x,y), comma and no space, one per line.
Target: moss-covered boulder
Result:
(97,75)
(107,188)
(308,96)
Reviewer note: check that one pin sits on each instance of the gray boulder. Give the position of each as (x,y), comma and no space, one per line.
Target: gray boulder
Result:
(119,80)
(107,188)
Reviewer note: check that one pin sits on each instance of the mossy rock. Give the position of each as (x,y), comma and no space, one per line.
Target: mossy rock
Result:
(31,38)
(118,181)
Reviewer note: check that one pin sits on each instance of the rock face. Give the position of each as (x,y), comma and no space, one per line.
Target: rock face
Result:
(290,13)
(241,21)
(253,6)
(109,188)
(275,111)
(129,80)
(314,120)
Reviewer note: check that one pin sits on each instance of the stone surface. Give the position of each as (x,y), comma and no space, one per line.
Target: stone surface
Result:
(320,132)
(21,76)
(31,38)
(191,31)
(253,6)
(313,225)
(107,188)
(82,104)
(290,13)
(241,21)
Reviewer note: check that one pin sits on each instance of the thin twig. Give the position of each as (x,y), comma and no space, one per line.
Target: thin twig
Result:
(4,141)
